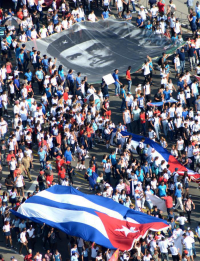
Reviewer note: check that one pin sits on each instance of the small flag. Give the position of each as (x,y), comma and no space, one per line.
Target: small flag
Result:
(115,256)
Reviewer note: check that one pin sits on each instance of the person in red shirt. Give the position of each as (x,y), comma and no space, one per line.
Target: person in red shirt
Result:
(29,89)
(65,94)
(169,202)
(61,174)
(161,7)
(10,155)
(20,14)
(49,179)
(143,122)
(128,78)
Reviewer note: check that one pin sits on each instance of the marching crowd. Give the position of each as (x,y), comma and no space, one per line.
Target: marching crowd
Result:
(72,116)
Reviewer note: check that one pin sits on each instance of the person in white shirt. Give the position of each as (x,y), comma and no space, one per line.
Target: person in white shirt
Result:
(181,221)
(174,251)
(127,119)
(43,32)
(31,237)
(187,242)
(177,65)
(19,183)
(23,241)
(163,245)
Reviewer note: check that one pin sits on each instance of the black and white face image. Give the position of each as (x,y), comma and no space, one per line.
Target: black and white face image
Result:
(96,49)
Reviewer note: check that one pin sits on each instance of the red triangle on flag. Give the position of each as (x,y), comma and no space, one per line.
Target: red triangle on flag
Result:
(115,256)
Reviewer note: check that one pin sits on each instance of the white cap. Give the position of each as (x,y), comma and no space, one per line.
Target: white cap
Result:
(141,6)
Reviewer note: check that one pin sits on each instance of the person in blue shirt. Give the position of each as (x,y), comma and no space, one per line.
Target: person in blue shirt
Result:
(174,38)
(167,93)
(139,21)
(45,64)
(78,80)
(55,18)
(149,26)
(178,195)
(105,14)
(16,83)
(162,189)
(68,155)
(42,157)
(78,19)
(141,101)
(128,16)
(61,73)
(182,59)
(48,92)
(180,84)
(185,113)
(29,75)
(70,80)
(40,76)
(113,159)
(117,82)
(28,33)
(21,60)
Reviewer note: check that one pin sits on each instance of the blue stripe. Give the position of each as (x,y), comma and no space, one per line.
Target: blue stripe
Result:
(50,203)
(164,152)
(65,190)
(86,232)
(105,202)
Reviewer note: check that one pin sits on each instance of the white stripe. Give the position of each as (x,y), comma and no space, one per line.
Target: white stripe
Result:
(62,215)
(78,201)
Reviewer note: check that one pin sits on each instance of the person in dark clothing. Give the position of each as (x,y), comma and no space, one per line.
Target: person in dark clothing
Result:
(182,58)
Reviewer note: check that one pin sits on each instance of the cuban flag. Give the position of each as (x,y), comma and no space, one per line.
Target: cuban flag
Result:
(158,104)
(163,154)
(93,218)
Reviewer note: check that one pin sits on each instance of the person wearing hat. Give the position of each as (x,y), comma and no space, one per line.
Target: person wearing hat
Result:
(143,12)
(41,180)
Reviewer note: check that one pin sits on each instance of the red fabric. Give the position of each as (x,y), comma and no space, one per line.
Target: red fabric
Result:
(61,174)
(65,96)
(49,179)
(128,75)
(161,7)
(10,156)
(168,201)
(58,139)
(108,113)
(142,117)
(20,15)
(1,14)
(28,257)
(16,172)
(115,255)
(44,142)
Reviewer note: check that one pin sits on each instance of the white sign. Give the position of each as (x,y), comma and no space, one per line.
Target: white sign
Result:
(108,79)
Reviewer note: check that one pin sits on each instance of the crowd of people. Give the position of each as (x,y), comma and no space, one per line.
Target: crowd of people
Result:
(71,117)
